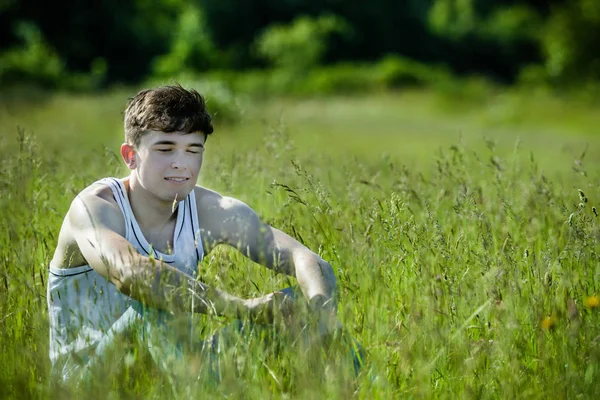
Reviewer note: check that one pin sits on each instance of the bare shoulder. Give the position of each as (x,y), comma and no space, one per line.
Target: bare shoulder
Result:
(97,204)
(210,202)
(93,205)
(222,219)
(206,198)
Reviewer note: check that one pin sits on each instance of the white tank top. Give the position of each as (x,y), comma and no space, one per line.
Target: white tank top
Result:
(83,305)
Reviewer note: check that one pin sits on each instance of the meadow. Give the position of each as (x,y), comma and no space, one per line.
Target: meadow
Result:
(464,235)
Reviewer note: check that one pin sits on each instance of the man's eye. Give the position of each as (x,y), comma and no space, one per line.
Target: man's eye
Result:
(164,150)
(193,151)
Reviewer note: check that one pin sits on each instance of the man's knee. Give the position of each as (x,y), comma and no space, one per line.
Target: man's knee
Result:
(293,292)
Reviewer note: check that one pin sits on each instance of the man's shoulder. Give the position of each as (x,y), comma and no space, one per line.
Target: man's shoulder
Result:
(97,202)
(223,219)
(217,210)
(93,207)
(97,189)
(210,200)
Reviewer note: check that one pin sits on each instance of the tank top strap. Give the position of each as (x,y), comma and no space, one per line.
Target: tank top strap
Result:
(120,196)
(195,224)
(134,232)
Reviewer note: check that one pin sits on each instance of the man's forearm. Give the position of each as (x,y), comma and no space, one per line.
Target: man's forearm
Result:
(161,286)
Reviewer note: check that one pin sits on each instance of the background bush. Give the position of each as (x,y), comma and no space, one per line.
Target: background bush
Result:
(117,42)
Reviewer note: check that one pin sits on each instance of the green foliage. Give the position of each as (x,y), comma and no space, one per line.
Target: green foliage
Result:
(299,45)
(569,39)
(191,48)
(115,42)
(457,19)
(454,18)
(344,78)
(564,37)
(394,71)
(120,37)
(37,63)
(511,24)
(390,73)
(34,61)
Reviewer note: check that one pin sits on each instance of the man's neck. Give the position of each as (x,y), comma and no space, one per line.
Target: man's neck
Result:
(149,211)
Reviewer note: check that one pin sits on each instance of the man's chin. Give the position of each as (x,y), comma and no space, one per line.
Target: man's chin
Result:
(177,195)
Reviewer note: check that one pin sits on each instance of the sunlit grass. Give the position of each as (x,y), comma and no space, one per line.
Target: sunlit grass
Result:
(466,247)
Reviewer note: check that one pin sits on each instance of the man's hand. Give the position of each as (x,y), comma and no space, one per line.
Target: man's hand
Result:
(316,317)
(271,308)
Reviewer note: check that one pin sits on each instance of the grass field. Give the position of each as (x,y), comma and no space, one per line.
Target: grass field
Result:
(464,236)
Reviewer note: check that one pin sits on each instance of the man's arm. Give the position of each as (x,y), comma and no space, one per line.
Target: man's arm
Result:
(98,227)
(236,224)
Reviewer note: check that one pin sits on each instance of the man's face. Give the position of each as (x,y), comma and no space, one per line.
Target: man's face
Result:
(168,164)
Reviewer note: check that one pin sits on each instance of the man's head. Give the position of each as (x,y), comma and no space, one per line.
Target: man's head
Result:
(165,132)
(166,109)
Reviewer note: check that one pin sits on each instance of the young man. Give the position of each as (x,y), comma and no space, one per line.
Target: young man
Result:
(135,243)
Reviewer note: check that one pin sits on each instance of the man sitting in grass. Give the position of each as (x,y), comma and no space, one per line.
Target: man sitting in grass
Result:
(129,248)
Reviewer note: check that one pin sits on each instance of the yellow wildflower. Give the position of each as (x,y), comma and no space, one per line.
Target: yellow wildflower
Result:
(548,323)
(592,302)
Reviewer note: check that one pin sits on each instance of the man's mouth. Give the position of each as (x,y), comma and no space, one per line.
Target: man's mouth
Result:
(176,179)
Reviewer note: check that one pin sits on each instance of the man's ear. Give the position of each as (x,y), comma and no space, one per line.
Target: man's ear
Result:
(129,155)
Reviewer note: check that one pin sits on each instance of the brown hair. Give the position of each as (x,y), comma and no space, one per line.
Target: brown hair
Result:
(166,109)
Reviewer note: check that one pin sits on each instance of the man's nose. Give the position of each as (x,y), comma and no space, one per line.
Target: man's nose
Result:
(177,164)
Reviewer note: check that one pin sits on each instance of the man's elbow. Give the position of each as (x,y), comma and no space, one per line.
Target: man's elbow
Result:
(326,294)
(327,271)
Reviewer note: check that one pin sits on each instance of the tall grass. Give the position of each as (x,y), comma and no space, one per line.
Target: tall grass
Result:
(475,274)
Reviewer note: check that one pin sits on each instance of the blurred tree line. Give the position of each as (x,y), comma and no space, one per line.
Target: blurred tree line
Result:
(76,43)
